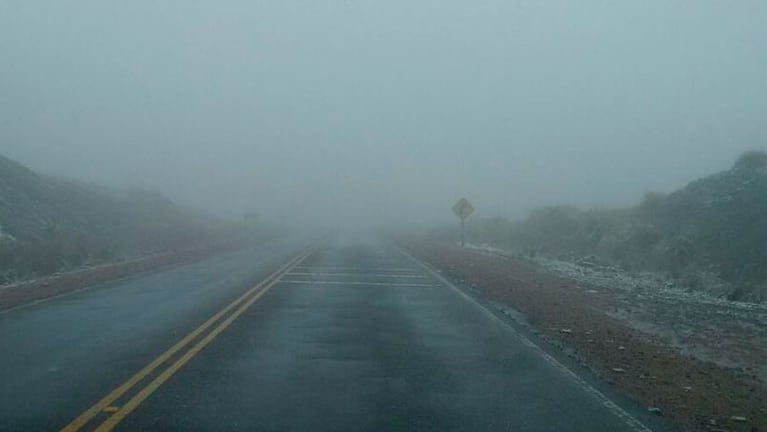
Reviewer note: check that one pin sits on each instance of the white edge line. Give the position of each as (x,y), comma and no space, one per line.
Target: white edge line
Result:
(393,284)
(619,412)
(363,270)
(379,275)
(38,302)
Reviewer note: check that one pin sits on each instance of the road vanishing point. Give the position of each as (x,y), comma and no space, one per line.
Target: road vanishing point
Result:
(337,335)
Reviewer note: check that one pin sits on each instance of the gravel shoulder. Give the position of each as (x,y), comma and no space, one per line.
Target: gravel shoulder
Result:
(36,290)
(695,360)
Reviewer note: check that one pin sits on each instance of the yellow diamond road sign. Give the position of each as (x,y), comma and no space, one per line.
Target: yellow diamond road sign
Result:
(463,209)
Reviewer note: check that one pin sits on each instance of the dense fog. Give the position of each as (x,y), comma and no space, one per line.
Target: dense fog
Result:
(363,111)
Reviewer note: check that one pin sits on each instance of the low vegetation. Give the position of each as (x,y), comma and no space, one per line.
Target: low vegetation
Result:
(48,225)
(715,227)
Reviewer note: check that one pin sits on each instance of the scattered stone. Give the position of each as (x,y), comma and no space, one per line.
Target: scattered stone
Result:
(651,353)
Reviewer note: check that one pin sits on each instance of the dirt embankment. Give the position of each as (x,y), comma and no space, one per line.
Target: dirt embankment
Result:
(23,293)
(695,394)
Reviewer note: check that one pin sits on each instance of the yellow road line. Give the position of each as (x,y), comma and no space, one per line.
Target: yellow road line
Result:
(136,400)
(107,401)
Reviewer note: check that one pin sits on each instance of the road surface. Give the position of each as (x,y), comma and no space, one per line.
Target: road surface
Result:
(340,336)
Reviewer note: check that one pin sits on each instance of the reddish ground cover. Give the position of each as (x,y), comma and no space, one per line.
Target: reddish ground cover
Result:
(40,289)
(694,394)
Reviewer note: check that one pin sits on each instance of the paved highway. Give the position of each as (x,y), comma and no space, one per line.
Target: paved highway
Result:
(341,336)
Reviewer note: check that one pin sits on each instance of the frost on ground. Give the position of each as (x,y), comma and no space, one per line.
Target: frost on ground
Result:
(30,290)
(730,334)
(630,331)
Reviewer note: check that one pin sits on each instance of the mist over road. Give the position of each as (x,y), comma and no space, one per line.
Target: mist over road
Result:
(59,356)
(349,335)
(619,253)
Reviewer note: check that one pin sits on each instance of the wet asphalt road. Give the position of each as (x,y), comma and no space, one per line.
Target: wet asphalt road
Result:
(58,357)
(356,337)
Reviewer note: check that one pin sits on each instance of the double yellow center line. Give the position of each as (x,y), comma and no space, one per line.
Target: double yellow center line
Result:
(210,329)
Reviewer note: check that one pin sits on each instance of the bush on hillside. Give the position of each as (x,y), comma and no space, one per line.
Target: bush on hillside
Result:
(752,160)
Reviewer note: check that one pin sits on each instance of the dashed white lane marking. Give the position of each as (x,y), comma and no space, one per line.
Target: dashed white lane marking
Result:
(364,270)
(393,284)
(630,421)
(395,275)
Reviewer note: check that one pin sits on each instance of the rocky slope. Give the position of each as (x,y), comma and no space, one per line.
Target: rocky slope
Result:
(51,224)
(709,236)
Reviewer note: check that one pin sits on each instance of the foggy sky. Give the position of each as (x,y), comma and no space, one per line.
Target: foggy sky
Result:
(383,110)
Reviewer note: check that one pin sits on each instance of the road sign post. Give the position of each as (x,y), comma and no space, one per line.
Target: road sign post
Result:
(463,232)
(463,209)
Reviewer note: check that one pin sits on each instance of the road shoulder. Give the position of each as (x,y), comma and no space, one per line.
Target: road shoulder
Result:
(692,394)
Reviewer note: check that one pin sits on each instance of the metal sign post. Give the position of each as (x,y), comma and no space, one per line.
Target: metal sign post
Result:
(463,209)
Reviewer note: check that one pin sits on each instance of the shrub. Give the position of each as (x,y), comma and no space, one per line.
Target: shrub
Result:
(653,200)
(752,160)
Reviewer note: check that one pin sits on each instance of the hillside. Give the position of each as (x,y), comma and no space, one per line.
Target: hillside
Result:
(711,235)
(49,224)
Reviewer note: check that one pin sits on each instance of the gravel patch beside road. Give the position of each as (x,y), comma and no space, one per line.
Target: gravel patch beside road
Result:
(27,292)
(661,346)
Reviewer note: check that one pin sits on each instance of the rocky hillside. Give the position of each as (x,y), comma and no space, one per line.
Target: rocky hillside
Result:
(49,224)
(710,235)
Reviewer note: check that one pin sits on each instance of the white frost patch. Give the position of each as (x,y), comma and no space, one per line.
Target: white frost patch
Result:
(644,283)
(4,235)
(729,333)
